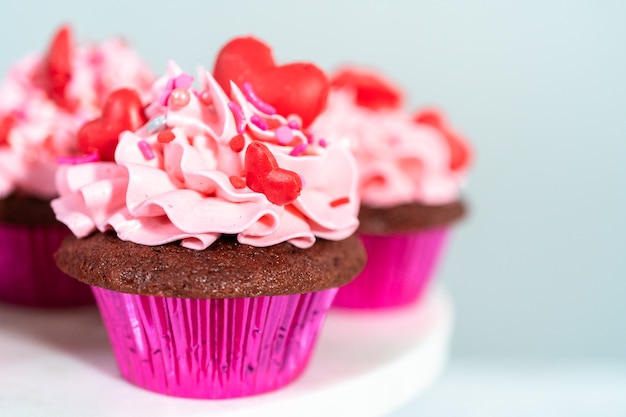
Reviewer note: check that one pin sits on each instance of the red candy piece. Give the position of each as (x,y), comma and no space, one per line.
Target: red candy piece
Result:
(122,111)
(237,143)
(340,201)
(460,154)
(372,91)
(237,182)
(297,88)
(55,71)
(166,136)
(6,124)
(263,175)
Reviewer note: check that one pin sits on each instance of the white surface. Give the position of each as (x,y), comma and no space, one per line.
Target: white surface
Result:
(60,364)
(485,388)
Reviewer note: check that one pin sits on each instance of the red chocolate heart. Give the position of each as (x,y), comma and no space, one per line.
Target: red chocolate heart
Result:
(460,154)
(55,71)
(297,88)
(263,175)
(122,111)
(372,91)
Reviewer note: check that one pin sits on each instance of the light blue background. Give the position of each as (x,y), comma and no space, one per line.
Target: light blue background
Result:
(538,270)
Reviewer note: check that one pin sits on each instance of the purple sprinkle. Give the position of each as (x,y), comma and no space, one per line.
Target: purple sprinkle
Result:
(239,116)
(293,124)
(258,122)
(323,143)
(302,180)
(256,101)
(75,160)
(298,150)
(284,135)
(146,149)
(183,81)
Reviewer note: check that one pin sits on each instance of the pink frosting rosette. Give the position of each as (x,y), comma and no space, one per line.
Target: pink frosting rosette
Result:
(402,158)
(45,98)
(205,165)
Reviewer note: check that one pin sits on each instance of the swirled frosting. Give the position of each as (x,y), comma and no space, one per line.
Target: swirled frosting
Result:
(401,158)
(36,126)
(186,175)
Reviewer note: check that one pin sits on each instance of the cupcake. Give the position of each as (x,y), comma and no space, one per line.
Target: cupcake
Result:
(217,236)
(44,99)
(411,169)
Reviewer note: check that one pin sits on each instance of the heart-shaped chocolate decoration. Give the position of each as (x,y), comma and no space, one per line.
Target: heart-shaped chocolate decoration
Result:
(55,70)
(122,111)
(297,88)
(460,154)
(371,90)
(263,175)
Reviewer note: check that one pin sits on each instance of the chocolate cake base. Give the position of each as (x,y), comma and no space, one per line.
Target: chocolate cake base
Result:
(407,218)
(24,210)
(226,269)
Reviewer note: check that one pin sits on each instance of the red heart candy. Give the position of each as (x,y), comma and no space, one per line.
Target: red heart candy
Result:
(460,154)
(55,71)
(372,91)
(297,88)
(122,111)
(263,175)
(6,124)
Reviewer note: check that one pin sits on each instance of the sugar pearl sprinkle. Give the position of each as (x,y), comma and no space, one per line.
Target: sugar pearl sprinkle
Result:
(176,91)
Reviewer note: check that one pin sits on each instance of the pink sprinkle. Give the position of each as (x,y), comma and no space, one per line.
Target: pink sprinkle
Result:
(183,81)
(284,135)
(298,150)
(293,124)
(256,101)
(309,139)
(323,143)
(258,122)
(169,86)
(76,160)
(239,116)
(146,149)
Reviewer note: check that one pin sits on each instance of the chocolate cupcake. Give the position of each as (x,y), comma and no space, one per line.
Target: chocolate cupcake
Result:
(411,168)
(216,238)
(43,101)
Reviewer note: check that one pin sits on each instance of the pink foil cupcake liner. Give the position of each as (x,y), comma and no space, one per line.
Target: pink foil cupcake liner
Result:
(212,348)
(398,270)
(28,274)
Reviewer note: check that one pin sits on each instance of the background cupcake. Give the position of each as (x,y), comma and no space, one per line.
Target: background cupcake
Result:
(411,167)
(44,99)
(221,231)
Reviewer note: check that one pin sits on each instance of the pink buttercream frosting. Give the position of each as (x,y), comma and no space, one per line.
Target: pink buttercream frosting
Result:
(41,129)
(399,160)
(182,188)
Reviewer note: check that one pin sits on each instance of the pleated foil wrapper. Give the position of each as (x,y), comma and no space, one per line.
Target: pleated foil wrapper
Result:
(212,348)
(399,270)
(28,274)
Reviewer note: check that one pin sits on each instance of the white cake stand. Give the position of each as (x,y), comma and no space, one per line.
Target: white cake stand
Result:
(366,364)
